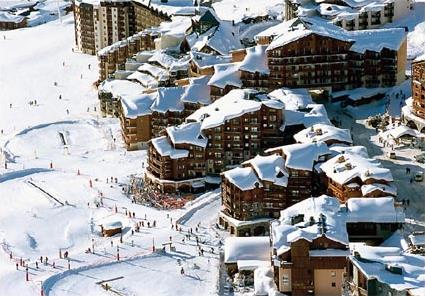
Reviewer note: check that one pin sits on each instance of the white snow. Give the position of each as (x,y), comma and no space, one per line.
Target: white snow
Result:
(364,210)
(302,156)
(230,106)
(323,133)
(243,178)
(412,277)
(47,208)
(246,248)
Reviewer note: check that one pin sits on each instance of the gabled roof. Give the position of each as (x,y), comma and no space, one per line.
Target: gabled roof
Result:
(302,156)
(230,106)
(188,133)
(322,133)
(377,262)
(243,178)
(346,167)
(314,210)
(226,74)
(255,60)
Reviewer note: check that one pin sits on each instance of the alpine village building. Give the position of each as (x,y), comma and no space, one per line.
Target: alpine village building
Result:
(418,88)
(225,133)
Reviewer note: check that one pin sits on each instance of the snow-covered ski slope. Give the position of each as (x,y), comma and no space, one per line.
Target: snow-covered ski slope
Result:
(54,150)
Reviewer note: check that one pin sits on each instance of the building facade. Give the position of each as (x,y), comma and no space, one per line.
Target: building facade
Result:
(418,88)
(98,25)
(234,134)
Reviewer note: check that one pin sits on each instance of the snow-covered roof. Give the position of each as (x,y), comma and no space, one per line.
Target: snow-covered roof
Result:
(255,60)
(302,156)
(238,11)
(137,105)
(198,91)
(188,133)
(164,148)
(120,88)
(377,262)
(332,10)
(168,99)
(270,168)
(171,7)
(162,59)
(226,74)
(314,209)
(373,210)
(362,40)
(230,106)
(323,133)
(344,168)
(293,98)
(7,17)
(204,60)
(144,79)
(369,188)
(308,116)
(337,149)
(223,39)
(417,239)
(243,178)
(153,70)
(112,225)
(246,248)
(360,93)
(399,131)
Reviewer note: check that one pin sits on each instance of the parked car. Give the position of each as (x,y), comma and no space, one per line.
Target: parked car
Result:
(420,158)
(391,155)
(419,176)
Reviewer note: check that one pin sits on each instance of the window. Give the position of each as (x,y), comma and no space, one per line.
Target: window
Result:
(285,280)
(333,284)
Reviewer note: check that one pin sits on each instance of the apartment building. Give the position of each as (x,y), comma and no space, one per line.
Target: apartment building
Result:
(235,128)
(383,270)
(350,15)
(257,192)
(418,88)
(102,23)
(147,115)
(313,54)
(413,114)
(352,175)
(310,241)
(9,21)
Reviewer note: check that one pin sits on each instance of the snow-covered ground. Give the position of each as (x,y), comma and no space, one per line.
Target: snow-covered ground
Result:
(57,189)
(43,10)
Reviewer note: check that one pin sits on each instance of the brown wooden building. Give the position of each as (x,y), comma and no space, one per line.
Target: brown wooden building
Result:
(418,88)
(9,21)
(237,127)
